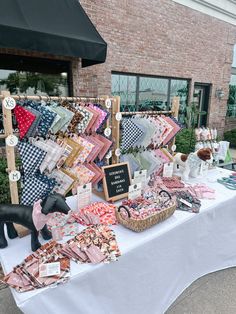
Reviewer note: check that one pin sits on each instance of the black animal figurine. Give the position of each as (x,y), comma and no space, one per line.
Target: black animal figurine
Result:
(21,214)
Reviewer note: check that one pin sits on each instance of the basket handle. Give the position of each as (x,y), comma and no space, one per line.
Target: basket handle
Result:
(126,209)
(165,192)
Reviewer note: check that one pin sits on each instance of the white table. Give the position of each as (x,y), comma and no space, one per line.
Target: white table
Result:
(155,267)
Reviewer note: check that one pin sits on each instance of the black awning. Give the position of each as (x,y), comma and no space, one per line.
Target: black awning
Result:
(59,27)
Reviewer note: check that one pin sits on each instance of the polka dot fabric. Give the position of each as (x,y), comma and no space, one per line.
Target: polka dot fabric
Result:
(24,119)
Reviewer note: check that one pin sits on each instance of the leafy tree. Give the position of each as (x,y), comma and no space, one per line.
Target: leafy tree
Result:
(19,82)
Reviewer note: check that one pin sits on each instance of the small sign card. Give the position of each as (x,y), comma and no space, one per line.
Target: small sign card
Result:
(84,195)
(135,191)
(116,181)
(49,269)
(140,176)
(168,169)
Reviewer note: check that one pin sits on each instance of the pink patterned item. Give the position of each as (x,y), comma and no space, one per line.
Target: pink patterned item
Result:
(99,121)
(107,145)
(94,119)
(176,129)
(105,212)
(39,219)
(87,148)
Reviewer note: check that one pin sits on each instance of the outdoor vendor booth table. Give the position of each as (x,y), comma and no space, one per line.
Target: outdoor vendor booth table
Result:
(155,267)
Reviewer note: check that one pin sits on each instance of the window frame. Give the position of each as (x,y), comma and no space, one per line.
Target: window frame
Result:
(38,65)
(169,78)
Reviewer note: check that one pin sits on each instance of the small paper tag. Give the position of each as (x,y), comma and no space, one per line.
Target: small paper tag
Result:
(84,195)
(9,103)
(168,169)
(135,191)
(118,116)
(14,175)
(185,202)
(107,132)
(49,269)
(11,140)
(140,176)
(108,103)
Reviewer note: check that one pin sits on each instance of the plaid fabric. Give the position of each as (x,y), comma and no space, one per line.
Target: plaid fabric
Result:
(31,157)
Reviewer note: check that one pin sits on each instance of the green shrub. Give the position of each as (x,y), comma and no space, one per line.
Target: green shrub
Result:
(185,141)
(230,136)
(5,196)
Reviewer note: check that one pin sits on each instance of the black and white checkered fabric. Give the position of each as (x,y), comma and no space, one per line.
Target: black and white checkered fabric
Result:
(33,190)
(131,134)
(31,157)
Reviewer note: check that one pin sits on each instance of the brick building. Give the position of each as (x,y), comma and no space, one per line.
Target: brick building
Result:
(158,49)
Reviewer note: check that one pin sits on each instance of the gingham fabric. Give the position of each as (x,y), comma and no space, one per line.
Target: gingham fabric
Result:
(131,134)
(33,190)
(31,157)
(24,119)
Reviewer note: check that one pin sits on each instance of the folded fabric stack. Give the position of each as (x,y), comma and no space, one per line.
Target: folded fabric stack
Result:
(95,244)
(27,275)
(96,213)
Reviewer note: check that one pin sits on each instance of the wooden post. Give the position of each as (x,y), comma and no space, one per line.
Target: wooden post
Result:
(115,128)
(10,151)
(175,106)
(11,162)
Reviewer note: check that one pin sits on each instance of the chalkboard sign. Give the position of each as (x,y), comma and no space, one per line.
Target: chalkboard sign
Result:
(116,181)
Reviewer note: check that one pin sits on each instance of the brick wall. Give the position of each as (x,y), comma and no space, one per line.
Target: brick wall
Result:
(161,38)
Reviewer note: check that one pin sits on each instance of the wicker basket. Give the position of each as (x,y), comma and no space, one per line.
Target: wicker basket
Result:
(139,225)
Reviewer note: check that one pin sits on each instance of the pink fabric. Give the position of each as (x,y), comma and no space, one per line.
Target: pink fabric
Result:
(39,219)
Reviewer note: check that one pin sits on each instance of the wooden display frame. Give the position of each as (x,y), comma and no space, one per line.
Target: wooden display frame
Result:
(116,124)
(105,185)
(8,130)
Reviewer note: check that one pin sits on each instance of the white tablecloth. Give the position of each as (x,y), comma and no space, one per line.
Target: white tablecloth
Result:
(155,267)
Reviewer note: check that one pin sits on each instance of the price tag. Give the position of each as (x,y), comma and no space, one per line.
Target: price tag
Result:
(108,103)
(11,140)
(109,155)
(168,169)
(140,176)
(135,191)
(107,132)
(117,152)
(9,103)
(118,116)
(14,175)
(185,202)
(84,195)
(49,269)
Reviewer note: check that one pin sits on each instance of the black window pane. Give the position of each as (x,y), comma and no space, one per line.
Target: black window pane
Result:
(125,87)
(180,88)
(153,93)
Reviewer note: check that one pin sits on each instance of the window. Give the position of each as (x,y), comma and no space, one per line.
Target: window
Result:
(140,93)
(231,112)
(125,86)
(33,76)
